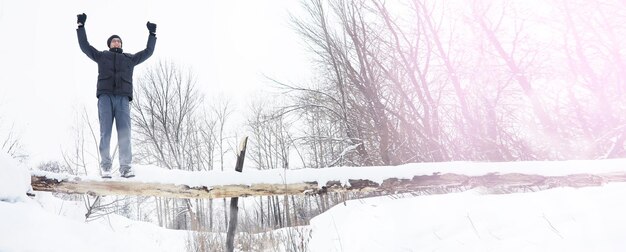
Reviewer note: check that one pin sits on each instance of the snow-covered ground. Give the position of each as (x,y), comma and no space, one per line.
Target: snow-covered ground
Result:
(561,219)
(44,224)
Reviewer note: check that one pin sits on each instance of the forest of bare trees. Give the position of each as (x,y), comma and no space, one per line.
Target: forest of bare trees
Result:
(423,81)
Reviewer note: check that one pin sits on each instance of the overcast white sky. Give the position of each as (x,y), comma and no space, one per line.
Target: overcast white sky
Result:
(45,78)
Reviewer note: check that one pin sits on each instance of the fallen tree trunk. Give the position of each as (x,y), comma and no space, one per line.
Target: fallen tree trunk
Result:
(422,184)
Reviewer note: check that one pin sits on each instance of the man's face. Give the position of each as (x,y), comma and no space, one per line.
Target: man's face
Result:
(116,43)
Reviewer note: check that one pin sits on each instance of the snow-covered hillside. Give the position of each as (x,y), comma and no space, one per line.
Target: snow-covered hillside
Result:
(561,219)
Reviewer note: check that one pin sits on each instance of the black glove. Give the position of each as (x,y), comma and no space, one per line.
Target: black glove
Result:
(151,27)
(81,18)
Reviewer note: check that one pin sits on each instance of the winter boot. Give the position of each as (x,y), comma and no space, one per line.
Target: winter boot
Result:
(105,174)
(128,173)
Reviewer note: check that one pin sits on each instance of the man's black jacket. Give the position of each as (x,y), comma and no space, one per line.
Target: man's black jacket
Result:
(115,69)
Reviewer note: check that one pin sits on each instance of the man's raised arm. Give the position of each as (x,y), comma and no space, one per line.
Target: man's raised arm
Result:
(146,53)
(89,50)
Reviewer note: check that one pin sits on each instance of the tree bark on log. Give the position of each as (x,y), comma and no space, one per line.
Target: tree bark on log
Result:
(422,184)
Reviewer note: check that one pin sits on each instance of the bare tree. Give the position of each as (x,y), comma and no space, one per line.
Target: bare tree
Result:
(595,71)
(270,148)
(406,82)
(221,112)
(167,130)
(11,144)
(353,76)
(271,141)
(165,115)
(78,158)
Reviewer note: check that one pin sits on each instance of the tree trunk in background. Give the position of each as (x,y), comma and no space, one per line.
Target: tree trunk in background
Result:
(225,213)
(211,216)
(287,212)
(269,212)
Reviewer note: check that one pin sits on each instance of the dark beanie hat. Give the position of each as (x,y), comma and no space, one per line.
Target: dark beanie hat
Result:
(111,38)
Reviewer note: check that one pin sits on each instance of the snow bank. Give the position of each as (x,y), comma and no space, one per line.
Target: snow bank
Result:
(562,219)
(26,226)
(14,179)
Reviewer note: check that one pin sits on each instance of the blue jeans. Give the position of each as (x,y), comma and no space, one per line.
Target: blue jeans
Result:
(114,107)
